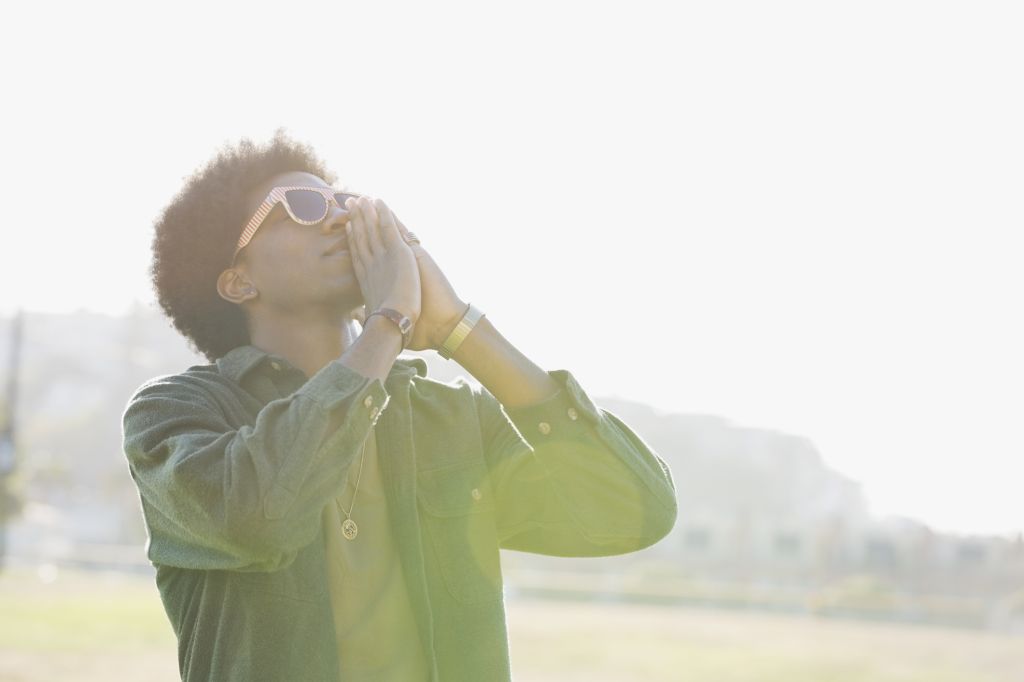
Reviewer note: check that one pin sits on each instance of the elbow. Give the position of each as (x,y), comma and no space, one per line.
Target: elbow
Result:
(654,521)
(265,545)
(661,521)
(663,508)
(269,536)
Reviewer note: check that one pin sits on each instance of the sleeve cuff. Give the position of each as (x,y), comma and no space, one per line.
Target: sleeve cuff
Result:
(568,410)
(571,415)
(336,383)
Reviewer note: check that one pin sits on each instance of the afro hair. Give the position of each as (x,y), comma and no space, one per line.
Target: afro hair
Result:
(196,233)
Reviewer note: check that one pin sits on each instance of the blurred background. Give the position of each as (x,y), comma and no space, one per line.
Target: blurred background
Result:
(779,240)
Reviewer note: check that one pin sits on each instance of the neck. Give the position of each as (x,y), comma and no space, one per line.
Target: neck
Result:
(308,342)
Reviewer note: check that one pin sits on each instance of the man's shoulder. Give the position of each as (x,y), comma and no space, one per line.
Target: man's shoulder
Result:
(196,378)
(219,377)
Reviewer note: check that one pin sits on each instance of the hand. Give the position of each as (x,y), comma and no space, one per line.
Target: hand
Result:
(442,307)
(384,264)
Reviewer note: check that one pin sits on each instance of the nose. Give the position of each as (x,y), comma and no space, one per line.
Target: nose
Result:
(335,220)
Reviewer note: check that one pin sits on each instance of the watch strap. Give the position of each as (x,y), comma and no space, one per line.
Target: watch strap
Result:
(404,323)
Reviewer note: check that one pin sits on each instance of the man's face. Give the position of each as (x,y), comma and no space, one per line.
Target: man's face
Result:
(289,264)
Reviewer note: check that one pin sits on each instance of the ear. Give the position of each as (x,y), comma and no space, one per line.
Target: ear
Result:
(234,286)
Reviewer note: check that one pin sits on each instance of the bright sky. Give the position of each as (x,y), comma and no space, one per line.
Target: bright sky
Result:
(798,215)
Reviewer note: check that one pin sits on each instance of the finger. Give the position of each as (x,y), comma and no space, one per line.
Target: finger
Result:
(404,230)
(388,228)
(373,238)
(354,253)
(355,230)
(357,219)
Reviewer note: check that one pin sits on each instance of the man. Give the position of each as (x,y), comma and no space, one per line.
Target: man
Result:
(317,507)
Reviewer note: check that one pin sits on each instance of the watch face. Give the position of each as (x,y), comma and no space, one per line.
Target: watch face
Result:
(405,325)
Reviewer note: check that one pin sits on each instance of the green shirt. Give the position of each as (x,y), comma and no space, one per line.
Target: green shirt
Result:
(236,460)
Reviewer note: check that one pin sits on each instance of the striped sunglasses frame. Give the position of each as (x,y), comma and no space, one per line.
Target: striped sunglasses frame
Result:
(280,195)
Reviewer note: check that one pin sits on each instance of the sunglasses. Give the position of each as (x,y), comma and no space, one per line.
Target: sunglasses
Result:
(305,205)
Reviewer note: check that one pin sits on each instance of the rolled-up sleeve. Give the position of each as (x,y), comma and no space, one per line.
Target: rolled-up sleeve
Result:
(218,497)
(572,479)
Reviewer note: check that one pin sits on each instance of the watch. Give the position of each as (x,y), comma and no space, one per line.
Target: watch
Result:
(403,322)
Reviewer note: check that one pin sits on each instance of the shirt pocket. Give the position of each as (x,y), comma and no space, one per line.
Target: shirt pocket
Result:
(459,517)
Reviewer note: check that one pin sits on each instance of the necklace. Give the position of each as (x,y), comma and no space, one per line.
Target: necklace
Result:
(348,527)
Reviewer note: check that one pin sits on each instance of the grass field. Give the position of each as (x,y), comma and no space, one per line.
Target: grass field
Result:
(89,626)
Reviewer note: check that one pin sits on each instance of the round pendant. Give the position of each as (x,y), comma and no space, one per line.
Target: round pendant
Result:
(349,529)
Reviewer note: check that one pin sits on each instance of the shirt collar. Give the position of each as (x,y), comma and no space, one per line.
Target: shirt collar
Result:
(239,361)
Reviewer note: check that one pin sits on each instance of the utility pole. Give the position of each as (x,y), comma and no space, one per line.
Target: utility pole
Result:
(8,452)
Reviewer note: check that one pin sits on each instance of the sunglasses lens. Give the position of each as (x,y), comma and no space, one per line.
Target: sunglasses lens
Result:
(340,197)
(307,205)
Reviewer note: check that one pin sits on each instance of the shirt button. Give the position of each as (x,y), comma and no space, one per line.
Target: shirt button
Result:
(476,494)
(374,412)
(276,365)
(572,414)
(544,427)
(368,401)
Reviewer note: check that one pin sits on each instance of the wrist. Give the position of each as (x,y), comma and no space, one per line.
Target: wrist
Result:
(400,320)
(464,328)
(379,326)
(451,320)
(403,308)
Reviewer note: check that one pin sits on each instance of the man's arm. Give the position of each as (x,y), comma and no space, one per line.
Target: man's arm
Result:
(570,479)
(215,496)
(510,376)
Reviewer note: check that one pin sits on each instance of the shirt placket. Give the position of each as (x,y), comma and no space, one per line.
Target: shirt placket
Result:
(394,430)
